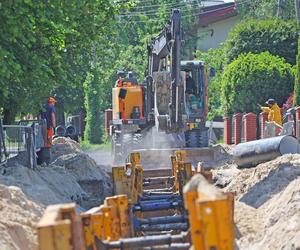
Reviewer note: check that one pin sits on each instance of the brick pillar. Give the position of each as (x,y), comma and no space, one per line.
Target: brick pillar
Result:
(297,109)
(250,127)
(227,130)
(107,119)
(297,123)
(263,117)
(237,127)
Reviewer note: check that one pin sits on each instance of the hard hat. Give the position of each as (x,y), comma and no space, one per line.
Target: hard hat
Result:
(51,100)
(120,73)
(271,101)
(130,74)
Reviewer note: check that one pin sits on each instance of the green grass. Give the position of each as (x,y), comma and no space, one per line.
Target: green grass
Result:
(85,145)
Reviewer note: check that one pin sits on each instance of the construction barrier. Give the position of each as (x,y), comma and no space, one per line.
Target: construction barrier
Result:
(116,223)
(210,215)
(60,228)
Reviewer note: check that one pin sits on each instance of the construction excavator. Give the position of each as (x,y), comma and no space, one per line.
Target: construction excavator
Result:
(166,105)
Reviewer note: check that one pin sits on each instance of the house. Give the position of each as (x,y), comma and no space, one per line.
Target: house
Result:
(215,20)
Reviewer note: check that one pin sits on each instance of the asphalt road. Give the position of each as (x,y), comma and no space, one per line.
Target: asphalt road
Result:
(102,158)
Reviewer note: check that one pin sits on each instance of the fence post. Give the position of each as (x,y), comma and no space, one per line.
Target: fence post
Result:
(237,129)
(33,146)
(263,117)
(298,123)
(1,142)
(107,119)
(250,127)
(227,130)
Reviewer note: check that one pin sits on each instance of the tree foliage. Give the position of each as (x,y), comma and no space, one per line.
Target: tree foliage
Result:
(276,36)
(254,78)
(45,47)
(92,93)
(297,78)
(263,9)
(214,60)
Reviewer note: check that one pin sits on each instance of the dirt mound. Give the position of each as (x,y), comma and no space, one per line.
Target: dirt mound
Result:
(255,186)
(63,146)
(72,177)
(67,179)
(17,218)
(267,211)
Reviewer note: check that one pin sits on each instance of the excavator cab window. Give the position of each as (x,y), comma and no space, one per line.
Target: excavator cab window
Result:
(194,88)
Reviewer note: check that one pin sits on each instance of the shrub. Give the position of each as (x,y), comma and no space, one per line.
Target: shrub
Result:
(254,78)
(276,36)
(297,79)
(94,130)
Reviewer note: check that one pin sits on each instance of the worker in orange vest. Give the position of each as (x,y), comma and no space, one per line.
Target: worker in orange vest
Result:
(274,112)
(121,75)
(48,113)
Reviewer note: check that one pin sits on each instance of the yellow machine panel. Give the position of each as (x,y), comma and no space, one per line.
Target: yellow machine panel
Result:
(123,108)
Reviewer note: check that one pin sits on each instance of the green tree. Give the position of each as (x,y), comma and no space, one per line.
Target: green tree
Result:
(297,78)
(45,48)
(254,78)
(263,9)
(276,36)
(214,60)
(93,131)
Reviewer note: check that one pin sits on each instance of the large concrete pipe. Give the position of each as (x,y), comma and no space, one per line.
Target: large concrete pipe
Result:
(254,152)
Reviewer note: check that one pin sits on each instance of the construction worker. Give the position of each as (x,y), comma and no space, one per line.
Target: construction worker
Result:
(273,110)
(131,78)
(189,83)
(48,113)
(121,75)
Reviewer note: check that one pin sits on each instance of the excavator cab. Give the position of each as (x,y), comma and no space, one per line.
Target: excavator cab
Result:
(195,102)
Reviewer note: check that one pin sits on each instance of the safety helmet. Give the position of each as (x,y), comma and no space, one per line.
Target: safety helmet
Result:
(130,74)
(120,73)
(271,101)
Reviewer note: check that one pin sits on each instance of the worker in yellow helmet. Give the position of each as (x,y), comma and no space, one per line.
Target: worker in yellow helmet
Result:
(274,112)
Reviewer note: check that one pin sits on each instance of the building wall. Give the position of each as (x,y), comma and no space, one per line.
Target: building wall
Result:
(220,31)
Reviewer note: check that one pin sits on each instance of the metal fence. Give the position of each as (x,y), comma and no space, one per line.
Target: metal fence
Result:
(3,152)
(23,140)
(76,122)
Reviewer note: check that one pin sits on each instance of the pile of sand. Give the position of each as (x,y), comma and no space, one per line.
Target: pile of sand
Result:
(67,179)
(63,146)
(72,177)
(267,212)
(18,216)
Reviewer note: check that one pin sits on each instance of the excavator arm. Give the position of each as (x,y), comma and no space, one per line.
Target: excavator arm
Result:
(167,44)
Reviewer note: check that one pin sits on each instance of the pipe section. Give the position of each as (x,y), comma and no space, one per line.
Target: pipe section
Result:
(255,152)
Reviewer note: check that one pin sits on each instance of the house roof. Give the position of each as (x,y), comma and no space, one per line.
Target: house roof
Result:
(214,11)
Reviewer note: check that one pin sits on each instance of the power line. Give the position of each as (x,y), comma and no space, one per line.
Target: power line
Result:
(183,16)
(149,12)
(186,15)
(154,10)
(158,19)
(171,6)
(147,1)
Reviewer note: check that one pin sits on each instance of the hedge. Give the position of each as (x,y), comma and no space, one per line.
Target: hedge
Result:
(279,37)
(254,78)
